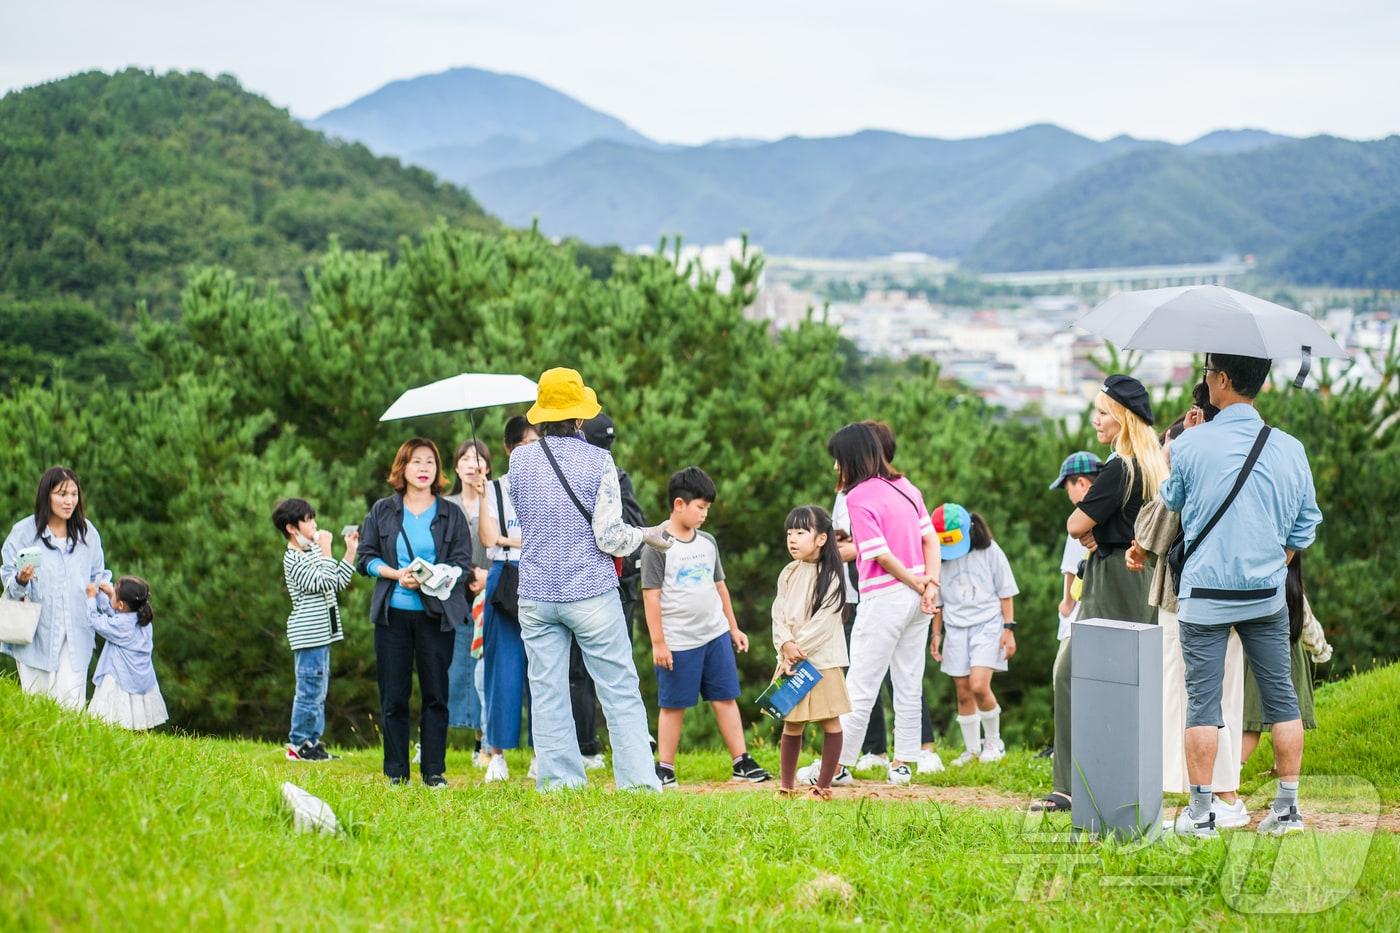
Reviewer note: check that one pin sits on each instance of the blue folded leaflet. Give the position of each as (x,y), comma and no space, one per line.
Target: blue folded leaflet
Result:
(787,691)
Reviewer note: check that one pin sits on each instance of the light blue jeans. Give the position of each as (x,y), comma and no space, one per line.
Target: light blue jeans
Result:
(601,630)
(463,703)
(313,669)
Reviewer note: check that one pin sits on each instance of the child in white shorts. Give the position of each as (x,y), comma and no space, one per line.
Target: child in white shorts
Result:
(974,625)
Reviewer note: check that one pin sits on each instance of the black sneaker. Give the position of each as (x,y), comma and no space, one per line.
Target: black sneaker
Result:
(309,752)
(398,782)
(320,747)
(746,769)
(435,781)
(667,776)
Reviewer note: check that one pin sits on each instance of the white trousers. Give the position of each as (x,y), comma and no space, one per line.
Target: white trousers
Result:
(1225,776)
(67,686)
(890,635)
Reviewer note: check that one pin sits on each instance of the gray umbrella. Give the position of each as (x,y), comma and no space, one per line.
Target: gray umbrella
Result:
(1210,319)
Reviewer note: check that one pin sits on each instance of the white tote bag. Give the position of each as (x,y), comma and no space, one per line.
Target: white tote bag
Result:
(18,620)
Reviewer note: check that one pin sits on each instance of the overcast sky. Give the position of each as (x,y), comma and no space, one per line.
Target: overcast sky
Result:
(691,72)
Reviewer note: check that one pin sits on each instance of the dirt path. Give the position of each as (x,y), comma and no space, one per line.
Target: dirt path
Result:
(992,799)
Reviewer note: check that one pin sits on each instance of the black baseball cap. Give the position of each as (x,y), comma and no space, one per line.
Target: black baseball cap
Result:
(600,431)
(1128,392)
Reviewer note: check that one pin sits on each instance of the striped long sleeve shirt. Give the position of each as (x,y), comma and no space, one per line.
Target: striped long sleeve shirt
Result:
(312,582)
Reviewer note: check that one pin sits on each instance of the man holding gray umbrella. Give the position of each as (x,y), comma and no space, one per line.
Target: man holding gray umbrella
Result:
(1245,494)
(1247,504)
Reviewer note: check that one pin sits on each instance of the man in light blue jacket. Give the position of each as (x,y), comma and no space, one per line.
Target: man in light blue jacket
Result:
(1234,578)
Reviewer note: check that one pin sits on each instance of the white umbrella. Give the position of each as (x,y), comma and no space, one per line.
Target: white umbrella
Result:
(466,392)
(1210,319)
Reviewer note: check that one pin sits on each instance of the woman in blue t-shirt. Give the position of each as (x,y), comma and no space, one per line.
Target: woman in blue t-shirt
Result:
(411,627)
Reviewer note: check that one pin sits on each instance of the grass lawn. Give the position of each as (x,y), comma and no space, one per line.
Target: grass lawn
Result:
(102,828)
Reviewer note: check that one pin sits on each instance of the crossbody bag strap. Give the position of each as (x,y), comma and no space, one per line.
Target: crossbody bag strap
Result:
(500,513)
(1234,491)
(549,455)
(911,502)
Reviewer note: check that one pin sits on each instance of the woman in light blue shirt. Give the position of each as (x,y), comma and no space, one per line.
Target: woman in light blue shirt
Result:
(70,557)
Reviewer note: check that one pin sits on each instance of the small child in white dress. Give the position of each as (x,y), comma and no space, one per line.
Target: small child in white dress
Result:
(126,690)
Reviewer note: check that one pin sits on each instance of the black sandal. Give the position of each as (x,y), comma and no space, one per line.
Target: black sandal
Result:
(1054,802)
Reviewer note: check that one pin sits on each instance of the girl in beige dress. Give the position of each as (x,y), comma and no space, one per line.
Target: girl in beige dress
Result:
(807,625)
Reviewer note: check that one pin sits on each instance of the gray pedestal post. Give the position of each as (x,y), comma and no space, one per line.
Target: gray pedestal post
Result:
(1116,727)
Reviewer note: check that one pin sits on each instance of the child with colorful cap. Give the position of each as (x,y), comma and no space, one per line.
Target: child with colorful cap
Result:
(974,625)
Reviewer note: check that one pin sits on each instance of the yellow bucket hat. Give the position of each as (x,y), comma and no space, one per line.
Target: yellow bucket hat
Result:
(563,397)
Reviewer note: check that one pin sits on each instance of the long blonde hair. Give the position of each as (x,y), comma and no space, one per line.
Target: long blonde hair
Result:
(1138,447)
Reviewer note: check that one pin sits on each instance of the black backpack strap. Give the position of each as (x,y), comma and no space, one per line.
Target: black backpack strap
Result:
(549,455)
(1234,491)
(500,513)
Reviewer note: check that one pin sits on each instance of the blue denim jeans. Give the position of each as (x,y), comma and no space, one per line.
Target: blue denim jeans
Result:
(602,635)
(463,704)
(313,669)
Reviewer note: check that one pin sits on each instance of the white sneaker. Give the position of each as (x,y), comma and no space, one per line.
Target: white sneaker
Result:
(481,759)
(809,774)
(1229,816)
(900,775)
(497,770)
(992,751)
(594,762)
(1187,825)
(417,753)
(929,762)
(1281,824)
(871,761)
(534,771)
(966,758)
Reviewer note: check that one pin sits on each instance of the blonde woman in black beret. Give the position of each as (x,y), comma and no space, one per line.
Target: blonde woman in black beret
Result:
(1104,522)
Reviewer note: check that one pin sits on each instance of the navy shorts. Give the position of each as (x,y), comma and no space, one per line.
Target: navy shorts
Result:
(707,672)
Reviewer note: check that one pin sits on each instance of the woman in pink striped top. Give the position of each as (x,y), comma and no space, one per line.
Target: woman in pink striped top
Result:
(897,560)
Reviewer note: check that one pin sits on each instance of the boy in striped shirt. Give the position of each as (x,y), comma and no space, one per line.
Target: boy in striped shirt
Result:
(313,578)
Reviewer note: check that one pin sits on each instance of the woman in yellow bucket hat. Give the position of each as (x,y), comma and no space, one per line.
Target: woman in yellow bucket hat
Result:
(569,507)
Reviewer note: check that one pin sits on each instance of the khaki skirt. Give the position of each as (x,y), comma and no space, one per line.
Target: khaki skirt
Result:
(827,700)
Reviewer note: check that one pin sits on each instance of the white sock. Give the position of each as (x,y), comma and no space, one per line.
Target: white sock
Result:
(991,723)
(972,737)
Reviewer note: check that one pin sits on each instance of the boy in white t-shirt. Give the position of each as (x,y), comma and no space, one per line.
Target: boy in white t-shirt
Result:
(693,630)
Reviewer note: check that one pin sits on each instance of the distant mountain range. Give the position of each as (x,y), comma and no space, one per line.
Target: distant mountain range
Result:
(1037,197)
(465,123)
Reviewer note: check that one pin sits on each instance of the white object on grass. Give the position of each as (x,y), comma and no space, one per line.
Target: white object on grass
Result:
(309,812)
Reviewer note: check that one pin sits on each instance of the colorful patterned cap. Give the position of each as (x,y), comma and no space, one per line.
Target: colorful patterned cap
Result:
(1079,463)
(954,528)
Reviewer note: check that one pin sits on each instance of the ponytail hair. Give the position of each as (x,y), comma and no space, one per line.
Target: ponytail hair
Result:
(136,593)
(981,532)
(1293,595)
(828,588)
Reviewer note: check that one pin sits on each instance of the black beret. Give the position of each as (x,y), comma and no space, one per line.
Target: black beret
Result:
(1128,392)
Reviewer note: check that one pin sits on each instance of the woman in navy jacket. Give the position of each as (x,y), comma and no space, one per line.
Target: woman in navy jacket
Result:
(412,628)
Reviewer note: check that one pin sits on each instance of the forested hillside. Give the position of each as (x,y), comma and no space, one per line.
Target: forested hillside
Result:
(114,186)
(1164,205)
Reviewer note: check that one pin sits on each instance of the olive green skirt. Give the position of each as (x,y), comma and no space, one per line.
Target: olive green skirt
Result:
(1112,591)
(1301,669)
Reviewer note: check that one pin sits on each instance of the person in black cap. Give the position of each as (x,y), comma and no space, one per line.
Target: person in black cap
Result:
(1103,522)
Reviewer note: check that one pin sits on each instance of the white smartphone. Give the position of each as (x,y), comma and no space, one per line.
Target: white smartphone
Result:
(349,530)
(29,557)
